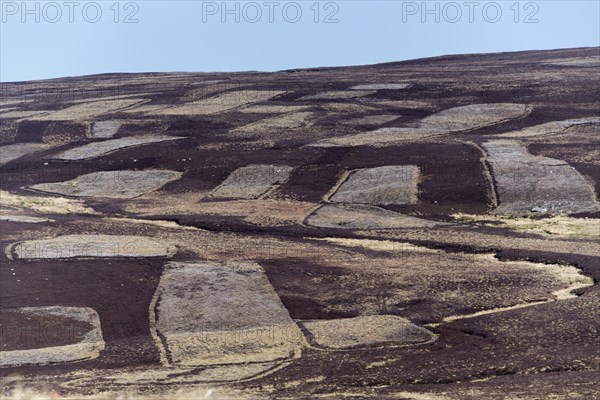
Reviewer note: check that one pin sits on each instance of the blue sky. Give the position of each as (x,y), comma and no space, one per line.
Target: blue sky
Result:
(53,39)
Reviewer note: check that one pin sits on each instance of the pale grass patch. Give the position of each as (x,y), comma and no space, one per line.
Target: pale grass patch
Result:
(403,104)
(349,108)
(421,396)
(44,205)
(273,109)
(338,95)
(281,122)
(379,245)
(378,364)
(560,225)
(7,103)
(161,223)
(220,103)
(23,114)
(89,110)
(199,393)
(259,212)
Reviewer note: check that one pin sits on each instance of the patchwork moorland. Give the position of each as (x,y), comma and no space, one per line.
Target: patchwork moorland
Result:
(427,229)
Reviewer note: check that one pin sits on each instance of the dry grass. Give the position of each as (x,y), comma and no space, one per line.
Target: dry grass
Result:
(265,212)
(364,218)
(474,116)
(592,61)
(162,224)
(382,86)
(412,104)
(24,219)
(338,95)
(273,109)
(348,108)
(267,126)
(561,226)
(381,245)
(220,103)
(262,213)
(372,120)
(209,392)
(89,110)
(16,114)
(44,205)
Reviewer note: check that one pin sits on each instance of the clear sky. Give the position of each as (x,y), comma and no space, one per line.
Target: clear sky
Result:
(68,38)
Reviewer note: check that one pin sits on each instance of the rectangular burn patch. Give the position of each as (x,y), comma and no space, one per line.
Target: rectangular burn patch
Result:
(387,185)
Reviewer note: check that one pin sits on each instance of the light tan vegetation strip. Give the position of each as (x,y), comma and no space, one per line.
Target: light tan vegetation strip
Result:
(379,119)
(380,245)
(97,149)
(161,223)
(90,246)
(488,240)
(338,95)
(591,61)
(17,114)
(220,103)
(89,110)
(206,391)
(288,121)
(273,109)
(382,86)
(23,219)
(44,205)
(364,217)
(560,226)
